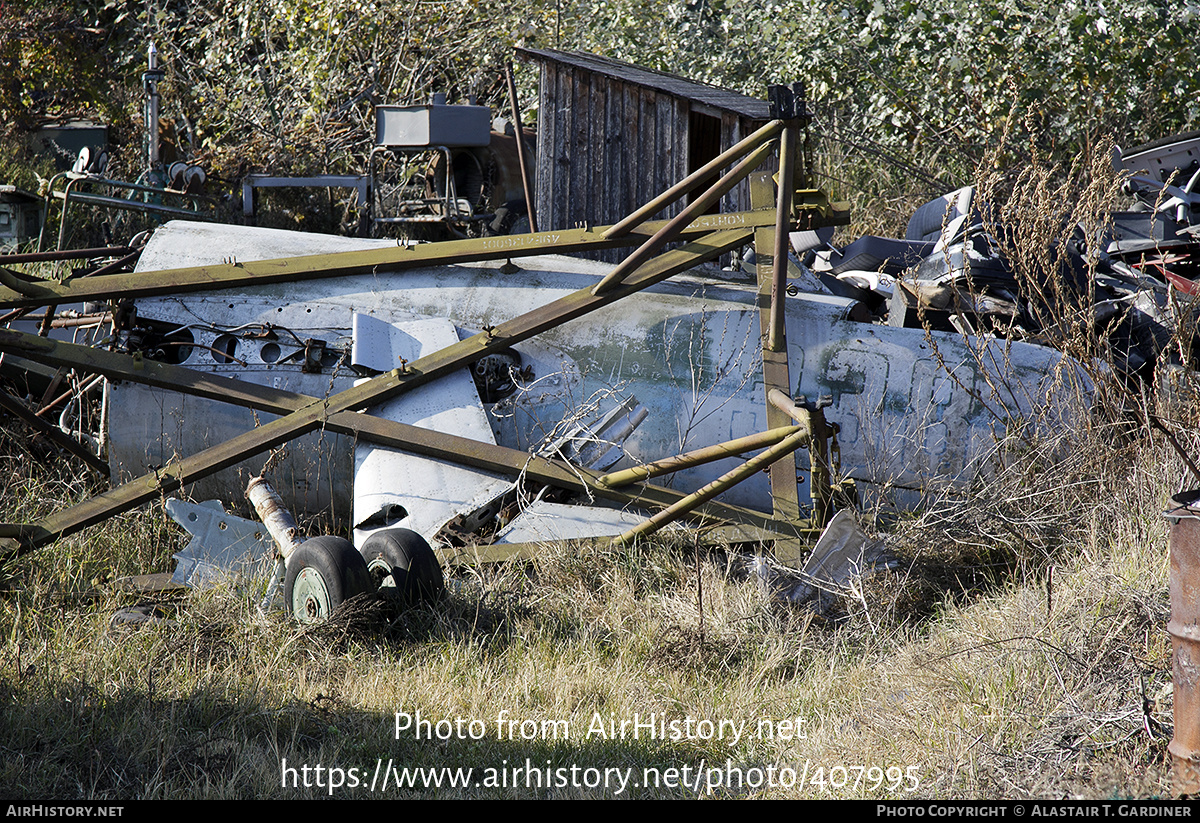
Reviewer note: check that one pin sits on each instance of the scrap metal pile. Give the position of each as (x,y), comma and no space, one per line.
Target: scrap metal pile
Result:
(473,399)
(1131,288)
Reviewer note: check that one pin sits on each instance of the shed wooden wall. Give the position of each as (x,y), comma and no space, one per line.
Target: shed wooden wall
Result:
(606,147)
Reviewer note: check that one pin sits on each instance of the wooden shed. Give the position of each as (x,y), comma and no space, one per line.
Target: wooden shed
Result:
(611,135)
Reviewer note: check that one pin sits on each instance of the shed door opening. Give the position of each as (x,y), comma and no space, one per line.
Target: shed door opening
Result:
(704,143)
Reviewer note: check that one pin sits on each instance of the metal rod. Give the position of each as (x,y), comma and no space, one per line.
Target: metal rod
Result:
(776,335)
(48,407)
(131,205)
(116,265)
(694,179)
(708,454)
(726,481)
(15,292)
(62,220)
(673,228)
(68,254)
(516,111)
(16,314)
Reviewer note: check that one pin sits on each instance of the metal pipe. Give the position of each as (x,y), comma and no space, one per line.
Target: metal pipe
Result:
(512,100)
(132,205)
(776,335)
(1184,628)
(62,220)
(115,265)
(48,407)
(673,228)
(68,254)
(275,516)
(694,179)
(708,454)
(787,405)
(726,481)
(151,78)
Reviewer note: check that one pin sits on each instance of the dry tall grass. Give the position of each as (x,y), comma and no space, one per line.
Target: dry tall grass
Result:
(1018,651)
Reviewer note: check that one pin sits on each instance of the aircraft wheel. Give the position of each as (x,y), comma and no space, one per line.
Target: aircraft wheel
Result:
(321,574)
(402,558)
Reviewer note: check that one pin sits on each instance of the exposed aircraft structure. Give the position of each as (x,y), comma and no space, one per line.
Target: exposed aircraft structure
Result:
(484,396)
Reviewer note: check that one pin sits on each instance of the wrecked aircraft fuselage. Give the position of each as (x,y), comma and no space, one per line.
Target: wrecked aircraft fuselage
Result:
(912,406)
(489,394)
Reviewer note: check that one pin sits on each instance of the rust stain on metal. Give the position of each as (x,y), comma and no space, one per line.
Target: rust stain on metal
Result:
(1184,628)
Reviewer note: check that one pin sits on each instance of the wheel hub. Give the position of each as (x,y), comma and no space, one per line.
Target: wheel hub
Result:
(310,597)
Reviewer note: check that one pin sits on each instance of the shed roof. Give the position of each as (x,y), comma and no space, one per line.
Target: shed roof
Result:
(671,84)
(13,194)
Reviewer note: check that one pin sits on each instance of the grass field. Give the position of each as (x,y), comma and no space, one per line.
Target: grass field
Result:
(1019,651)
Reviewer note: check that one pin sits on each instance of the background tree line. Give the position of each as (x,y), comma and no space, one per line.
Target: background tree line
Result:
(910,96)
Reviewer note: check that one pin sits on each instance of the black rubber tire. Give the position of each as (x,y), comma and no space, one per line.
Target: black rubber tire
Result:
(328,562)
(414,567)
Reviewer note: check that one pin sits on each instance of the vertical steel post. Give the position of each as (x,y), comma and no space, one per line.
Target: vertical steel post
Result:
(776,338)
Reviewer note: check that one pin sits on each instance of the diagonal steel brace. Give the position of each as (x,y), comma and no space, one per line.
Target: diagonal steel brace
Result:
(304,414)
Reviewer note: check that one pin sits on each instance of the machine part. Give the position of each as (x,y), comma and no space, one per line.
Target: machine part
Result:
(222,544)
(402,559)
(1184,628)
(428,126)
(323,573)
(304,419)
(18,539)
(526,183)
(275,516)
(843,553)
(193,206)
(53,433)
(389,481)
(599,445)
(494,375)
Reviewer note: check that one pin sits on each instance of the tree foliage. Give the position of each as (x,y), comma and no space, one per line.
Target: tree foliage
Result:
(289,85)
